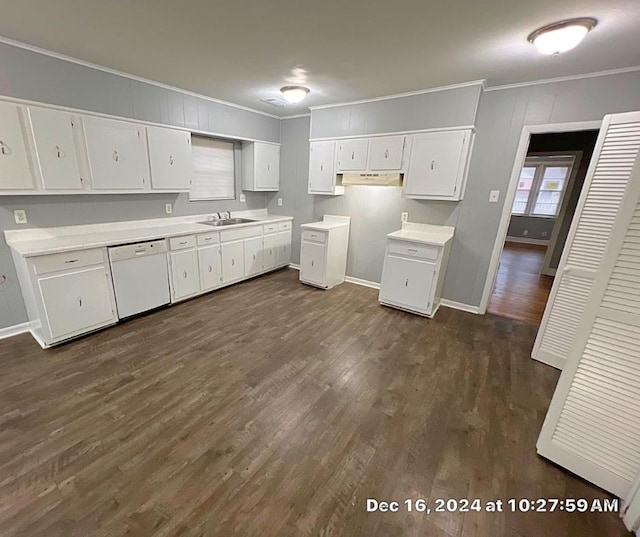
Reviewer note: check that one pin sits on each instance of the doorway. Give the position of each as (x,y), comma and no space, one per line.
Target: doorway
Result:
(546,196)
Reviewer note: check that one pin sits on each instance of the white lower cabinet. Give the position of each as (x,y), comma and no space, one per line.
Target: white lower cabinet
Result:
(284,247)
(253,256)
(270,251)
(312,262)
(185,279)
(76,301)
(232,261)
(209,265)
(414,269)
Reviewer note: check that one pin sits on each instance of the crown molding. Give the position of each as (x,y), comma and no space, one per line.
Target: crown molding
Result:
(295,116)
(109,70)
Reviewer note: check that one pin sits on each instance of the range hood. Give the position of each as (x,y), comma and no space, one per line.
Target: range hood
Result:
(372,179)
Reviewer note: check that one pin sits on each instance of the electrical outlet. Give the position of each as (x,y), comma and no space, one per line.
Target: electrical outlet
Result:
(243,198)
(525,232)
(279,202)
(404,217)
(494,196)
(168,208)
(544,233)
(20,216)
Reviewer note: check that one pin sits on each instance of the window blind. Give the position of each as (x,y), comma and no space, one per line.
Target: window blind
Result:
(213,175)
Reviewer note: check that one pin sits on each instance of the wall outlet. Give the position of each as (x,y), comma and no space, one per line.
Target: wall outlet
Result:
(494,196)
(168,208)
(404,217)
(544,234)
(279,202)
(243,198)
(20,216)
(525,232)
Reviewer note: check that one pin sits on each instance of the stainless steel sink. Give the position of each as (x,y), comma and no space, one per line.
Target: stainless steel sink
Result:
(227,222)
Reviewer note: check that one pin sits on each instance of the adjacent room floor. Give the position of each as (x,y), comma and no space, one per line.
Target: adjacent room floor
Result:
(275,409)
(520,291)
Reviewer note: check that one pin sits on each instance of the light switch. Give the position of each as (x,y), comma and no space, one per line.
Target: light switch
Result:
(243,198)
(20,216)
(279,202)
(494,196)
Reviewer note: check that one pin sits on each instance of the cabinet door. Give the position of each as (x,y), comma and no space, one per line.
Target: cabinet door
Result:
(312,256)
(15,169)
(209,267)
(407,283)
(169,158)
(284,247)
(321,166)
(253,256)
(232,261)
(271,244)
(267,166)
(117,154)
(352,154)
(436,164)
(55,135)
(76,301)
(385,153)
(184,273)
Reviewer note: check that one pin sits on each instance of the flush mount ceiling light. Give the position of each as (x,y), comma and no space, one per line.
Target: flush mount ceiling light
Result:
(294,94)
(561,36)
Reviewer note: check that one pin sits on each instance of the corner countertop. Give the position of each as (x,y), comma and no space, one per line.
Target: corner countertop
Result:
(424,233)
(42,241)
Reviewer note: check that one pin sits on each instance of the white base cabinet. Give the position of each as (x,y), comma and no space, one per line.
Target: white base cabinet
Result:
(232,261)
(414,267)
(323,251)
(209,261)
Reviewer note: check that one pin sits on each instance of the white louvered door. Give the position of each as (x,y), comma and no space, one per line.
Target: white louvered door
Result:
(593,424)
(599,204)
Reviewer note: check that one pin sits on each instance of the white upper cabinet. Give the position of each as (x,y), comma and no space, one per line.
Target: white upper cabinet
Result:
(438,165)
(386,152)
(117,152)
(56,141)
(322,176)
(15,169)
(169,158)
(352,154)
(260,166)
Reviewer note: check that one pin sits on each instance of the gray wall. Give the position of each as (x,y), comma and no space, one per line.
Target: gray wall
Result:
(536,227)
(502,114)
(31,76)
(436,109)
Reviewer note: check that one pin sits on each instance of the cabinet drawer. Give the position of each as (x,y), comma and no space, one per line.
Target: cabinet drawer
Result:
(284,226)
(270,228)
(67,260)
(240,233)
(423,251)
(180,243)
(208,238)
(314,236)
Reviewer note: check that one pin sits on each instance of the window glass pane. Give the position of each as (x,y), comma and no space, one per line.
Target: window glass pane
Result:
(213,176)
(550,191)
(524,189)
(547,203)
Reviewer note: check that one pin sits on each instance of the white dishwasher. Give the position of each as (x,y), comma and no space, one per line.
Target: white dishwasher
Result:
(140,276)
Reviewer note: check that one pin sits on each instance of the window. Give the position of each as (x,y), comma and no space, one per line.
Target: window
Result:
(541,186)
(213,175)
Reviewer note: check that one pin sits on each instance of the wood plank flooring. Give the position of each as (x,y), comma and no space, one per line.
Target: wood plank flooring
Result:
(520,291)
(275,409)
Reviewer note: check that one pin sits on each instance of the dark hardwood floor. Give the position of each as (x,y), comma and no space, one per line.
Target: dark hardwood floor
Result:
(520,291)
(275,409)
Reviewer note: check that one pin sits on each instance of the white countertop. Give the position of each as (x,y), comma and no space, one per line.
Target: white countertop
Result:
(424,233)
(41,241)
(329,221)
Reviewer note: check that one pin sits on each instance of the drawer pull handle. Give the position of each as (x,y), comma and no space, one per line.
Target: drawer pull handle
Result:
(72,260)
(210,268)
(386,153)
(353,154)
(182,243)
(233,261)
(80,301)
(412,250)
(184,274)
(406,282)
(4,148)
(59,153)
(321,167)
(170,160)
(312,262)
(254,257)
(115,156)
(433,164)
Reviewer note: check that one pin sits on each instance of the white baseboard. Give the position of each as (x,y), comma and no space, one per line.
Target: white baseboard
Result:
(525,240)
(460,306)
(294,266)
(364,283)
(14,330)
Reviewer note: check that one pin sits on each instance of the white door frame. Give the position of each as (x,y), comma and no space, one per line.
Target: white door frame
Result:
(510,195)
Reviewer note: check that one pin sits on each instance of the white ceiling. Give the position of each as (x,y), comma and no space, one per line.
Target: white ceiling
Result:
(244,51)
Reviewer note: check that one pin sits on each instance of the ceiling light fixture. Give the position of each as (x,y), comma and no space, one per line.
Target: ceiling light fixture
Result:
(561,36)
(294,94)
